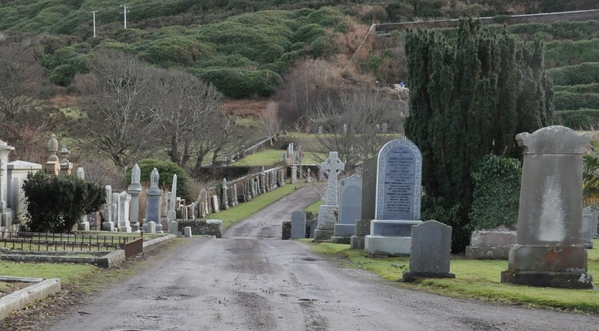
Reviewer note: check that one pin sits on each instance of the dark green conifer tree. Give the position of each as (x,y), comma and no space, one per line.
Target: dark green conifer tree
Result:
(468,98)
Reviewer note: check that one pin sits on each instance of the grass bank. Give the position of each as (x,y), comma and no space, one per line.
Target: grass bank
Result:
(246,209)
(475,279)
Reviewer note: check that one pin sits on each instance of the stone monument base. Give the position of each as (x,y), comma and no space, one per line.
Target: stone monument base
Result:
(323,235)
(83,226)
(5,218)
(356,242)
(125,229)
(383,245)
(345,230)
(413,276)
(108,226)
(340,240)
(573,280)
(488,253)
(548,266)
(490,244)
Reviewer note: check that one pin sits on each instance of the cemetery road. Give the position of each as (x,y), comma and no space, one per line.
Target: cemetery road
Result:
(253,280)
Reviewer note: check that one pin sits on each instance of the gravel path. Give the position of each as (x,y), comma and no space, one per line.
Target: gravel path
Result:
(252,280)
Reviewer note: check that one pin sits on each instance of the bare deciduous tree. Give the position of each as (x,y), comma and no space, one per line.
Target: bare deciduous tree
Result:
(119,101)
(24,116)
(187,110)
(270,124)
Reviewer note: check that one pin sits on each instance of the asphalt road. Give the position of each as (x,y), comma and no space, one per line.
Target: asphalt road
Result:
(253,280)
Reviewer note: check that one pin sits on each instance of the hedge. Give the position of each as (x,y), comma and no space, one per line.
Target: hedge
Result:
(240,83)
(584,88)
(585,73)
(572,101)
(568,52)
(585,119)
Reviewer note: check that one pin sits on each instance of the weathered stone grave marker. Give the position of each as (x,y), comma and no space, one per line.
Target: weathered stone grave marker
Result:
(298,225)
(350,208)
(430,251)
(154,196)
(368,203)
(549,250)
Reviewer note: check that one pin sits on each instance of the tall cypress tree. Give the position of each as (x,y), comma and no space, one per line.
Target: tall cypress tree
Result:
(469,97)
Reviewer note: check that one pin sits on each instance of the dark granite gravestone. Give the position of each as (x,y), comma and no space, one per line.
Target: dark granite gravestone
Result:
(286,230)
(430,251)
(549,250)
(398,194)
(368,205)
(298,225)
(313,225)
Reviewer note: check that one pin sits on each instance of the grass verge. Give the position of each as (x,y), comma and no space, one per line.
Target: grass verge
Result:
(315,207)
(244,210)
(476,279)
(67,272)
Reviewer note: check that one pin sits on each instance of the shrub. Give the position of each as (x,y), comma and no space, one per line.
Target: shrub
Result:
(241,83)
(56,203)
(573,101)
(568,52)
(166,170)
(584,119)
(584,88)
(585,73)
(496,193)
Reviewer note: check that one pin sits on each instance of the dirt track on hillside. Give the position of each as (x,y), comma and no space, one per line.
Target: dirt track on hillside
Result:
(253,280)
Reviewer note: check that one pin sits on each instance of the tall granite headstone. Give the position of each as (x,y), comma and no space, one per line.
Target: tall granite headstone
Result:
(172,206)
(350,209)
(124,200)
(134,190)
(589,226)
(326,215)
(549,250)
(154,196)
(367,207)
(430,251)
(398,194)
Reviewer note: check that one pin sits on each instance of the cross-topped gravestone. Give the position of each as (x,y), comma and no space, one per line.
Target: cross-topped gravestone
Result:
(332,167)
(326,215)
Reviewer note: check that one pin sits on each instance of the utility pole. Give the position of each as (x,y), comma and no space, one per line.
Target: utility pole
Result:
(94,15)
(125,11)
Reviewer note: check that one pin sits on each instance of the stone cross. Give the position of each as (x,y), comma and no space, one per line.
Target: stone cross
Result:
(332,166)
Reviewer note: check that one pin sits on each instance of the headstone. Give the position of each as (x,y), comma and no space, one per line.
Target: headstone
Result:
(154,197)
(235,194)
(124,224)
(282,174)
(187,231)
(225,197)
(309,176)
(215,205)
(262,180)
(286,230)
(344,128)
(116,217)
(320,129)
(150,227)
(192,208)
(313,225)
(368,205)
(298,225)
(587,227)
(134,190)
(430,251)
(326,214)
(350,209)
(65,166)
(293,174)
(399,176)
(549,250)
(494,244)
(173,227)
(384,127)
(108,206)
(172,207)
(52,166)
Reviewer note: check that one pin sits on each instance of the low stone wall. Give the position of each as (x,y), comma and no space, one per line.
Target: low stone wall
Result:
(27,295)
(203,227)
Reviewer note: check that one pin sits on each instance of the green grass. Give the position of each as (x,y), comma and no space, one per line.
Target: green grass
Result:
(67,272)
(244,210)
(262,158)
(315,207)
(476,279)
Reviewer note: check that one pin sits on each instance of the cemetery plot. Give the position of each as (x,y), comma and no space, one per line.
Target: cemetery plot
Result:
(34,241)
